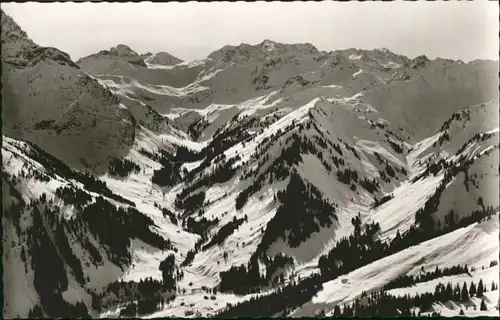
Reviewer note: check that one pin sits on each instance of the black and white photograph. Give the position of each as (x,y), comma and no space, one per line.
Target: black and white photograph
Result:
(250,159)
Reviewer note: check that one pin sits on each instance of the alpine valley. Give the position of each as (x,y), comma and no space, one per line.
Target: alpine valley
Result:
(267,180)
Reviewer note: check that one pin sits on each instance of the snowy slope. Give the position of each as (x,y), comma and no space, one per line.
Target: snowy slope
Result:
(475,245)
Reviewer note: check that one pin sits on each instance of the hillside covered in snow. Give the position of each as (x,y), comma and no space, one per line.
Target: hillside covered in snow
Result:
(267,180)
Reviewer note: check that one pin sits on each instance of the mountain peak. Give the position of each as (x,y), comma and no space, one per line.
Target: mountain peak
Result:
(163,58)
(122,50)
(10,29)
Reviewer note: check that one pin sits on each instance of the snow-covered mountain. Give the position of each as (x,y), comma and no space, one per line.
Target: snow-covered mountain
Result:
(265,180)
(83,124)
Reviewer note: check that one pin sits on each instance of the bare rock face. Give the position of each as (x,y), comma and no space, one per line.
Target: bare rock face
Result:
(163,59)
(49,101)
(122,50)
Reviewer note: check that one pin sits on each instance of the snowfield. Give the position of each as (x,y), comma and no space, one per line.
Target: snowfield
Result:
(475,245)
(398,214)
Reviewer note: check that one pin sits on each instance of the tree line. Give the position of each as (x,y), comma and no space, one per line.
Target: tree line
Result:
(122,167)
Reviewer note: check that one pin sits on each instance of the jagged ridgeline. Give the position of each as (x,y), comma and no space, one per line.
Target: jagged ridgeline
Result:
(267,180)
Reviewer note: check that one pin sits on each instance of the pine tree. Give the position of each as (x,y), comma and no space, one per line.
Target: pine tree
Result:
(472,290)
(456,293)
(462,312)
(493,287)
(483,306)
(336,311)
(449,291)
(480,288)
(465,293)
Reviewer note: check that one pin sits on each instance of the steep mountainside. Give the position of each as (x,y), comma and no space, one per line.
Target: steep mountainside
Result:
(266,180)
(83,124)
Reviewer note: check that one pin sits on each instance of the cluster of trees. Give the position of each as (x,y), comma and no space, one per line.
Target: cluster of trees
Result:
(274,264)
(94,254)
(424,216)
(363,244)
(455,116)
(167,268)
(59,308)
(384,177)
(261,82)
(390,171)
(196,128)
(122,167)
(379,125)
(102,216)
(381,303)
(337,148)
(444,137)
(73,196)
(302,212)
(55,166)
(247,279)
(161,156)
(225,231)
(220,174)
(221,141)
(168,175)
(350,253)
(347,176)
(416,235)
(170,215)
(243,196)
(183,154)
(18,205)
(61,239)
(151,295)
(268,141)
(229,137)
(476,138)
(396,147)
(282,301)
(370,185)
(408,281)
(50,277)
(278,170)
(201,226)
(459,293)
(191,203)
(379,157)
(33,173)
(241,279)
(433,168)
(384,199)
(352,149)
(297,79)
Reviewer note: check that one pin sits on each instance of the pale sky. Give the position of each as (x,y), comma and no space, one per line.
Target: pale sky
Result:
(458,30)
